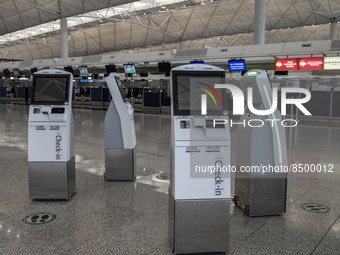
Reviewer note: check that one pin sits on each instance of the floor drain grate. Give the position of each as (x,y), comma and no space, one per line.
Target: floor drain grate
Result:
(39,218)
(163,177)
(315,207)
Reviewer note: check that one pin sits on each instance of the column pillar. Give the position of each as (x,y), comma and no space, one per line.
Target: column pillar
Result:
(260,22)
(333,31)
(181,45)
(63,38)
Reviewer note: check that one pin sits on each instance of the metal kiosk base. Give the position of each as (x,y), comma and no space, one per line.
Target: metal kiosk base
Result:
(199,226)
(261,196)
(120,164)
(51,180)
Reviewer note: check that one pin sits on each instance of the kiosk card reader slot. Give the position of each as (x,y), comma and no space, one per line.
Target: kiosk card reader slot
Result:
(199,200)
(51,161)
(260,194)
(120,135)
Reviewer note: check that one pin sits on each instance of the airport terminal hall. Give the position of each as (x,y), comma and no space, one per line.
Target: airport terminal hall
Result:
(160,127)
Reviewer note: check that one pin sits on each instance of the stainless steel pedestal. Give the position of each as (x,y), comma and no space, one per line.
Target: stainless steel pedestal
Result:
(51,180)
(260,195)
(198,226)
(120,164)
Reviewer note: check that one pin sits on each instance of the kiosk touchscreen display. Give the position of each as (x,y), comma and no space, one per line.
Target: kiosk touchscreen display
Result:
(48,89)
(188,91)
(121,90)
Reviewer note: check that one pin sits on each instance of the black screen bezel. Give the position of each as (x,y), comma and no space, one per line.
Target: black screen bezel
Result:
(67,76)
(69,69)
(7,73)
(111,68)
(33,70)
(164,67)
(195,74)
(120,89)
(281,72)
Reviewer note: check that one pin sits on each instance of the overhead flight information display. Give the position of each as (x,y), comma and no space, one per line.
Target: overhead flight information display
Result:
(237,65)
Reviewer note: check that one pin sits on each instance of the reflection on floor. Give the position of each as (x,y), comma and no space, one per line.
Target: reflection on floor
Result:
(131,218)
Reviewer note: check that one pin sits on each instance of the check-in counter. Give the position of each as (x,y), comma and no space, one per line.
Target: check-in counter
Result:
(324,107)
(107,95)
(324,104)
(151,100)
(336,104)
(22,94)
(3,93)
(96,95)
(320,103)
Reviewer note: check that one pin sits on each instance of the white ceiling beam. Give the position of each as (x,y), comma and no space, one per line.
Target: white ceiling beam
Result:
(147,34)
(38,7)
(187,24)
(130,36)
(233,17)
(323,7)
(16,8)
(167,25)
(210,18)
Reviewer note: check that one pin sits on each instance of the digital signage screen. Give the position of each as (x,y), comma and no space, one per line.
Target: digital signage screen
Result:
(331,63)
(83,71)
(16,72)
(311,64)
(237,65)
(129,68)
(286,64)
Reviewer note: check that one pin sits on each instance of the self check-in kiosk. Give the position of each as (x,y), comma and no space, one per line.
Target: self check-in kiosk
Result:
(260,192)
(51,161)
(120,135)
(199,200)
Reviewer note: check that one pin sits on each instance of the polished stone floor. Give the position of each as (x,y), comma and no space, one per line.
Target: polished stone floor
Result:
(131,218)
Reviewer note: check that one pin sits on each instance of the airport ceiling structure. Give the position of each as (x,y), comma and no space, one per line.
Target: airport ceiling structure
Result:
(29,29)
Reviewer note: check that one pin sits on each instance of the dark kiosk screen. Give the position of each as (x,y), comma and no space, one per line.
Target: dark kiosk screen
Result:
(50,89)
(188,91)
(121,89)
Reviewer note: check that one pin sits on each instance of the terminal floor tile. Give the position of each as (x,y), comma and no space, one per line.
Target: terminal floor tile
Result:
(131,217)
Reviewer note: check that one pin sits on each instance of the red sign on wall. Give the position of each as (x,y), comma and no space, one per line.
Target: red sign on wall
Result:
(286,64)
(311,63)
